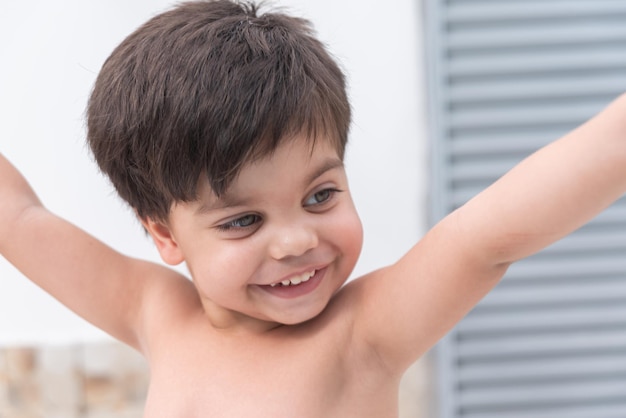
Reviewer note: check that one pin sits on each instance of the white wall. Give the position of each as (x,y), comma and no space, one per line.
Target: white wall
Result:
(50,54)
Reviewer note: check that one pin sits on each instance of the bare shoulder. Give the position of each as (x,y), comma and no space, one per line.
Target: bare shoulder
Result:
(169,299)
(400,311)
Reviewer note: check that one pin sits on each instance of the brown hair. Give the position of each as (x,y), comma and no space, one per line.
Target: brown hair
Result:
(204,88)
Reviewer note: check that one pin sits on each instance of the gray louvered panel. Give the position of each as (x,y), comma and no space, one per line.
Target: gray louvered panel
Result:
(607,409)
(507,36)
(564,87)
(463,12)
(542,369)
(518,396)
(508,135)
(588,289)
(510,76)
(485,170)
(530,63)
(540,269)
(543,320)
(529,114)
(458,196)
(603,240)
(485,147)
(554,344)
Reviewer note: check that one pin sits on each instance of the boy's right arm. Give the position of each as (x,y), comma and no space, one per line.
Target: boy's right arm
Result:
(96,282)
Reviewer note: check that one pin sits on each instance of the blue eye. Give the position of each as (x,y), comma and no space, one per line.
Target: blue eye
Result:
(240,223)
(321,197)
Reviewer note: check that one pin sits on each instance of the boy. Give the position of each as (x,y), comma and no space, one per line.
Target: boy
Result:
(225,131)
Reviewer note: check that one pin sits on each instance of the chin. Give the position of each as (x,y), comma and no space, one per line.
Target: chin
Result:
(301,317)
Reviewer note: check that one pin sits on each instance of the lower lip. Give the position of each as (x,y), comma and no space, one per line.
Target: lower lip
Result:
(290,292)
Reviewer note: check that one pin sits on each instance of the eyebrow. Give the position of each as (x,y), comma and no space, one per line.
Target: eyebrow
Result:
(327,165)
(226,200)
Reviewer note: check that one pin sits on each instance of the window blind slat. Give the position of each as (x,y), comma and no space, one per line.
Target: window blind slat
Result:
(543,320)
(531,64)
(532,369)
(612,409)
(556,344)
(540,113)
(464,12)
(548,34)
(586,289)
(504,397)
(560,88)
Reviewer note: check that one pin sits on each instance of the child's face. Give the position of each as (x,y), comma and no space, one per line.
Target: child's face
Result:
(287,218)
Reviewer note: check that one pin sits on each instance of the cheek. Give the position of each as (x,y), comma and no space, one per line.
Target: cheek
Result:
(356,235)
(348,234)
(225,265)
(239,258)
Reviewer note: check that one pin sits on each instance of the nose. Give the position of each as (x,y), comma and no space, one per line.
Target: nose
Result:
(292,241)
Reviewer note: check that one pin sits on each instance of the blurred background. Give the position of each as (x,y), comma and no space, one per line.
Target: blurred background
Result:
(53,363)
(447,96)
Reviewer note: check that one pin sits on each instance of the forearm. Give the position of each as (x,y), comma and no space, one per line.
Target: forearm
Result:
(554,191)
(16,196)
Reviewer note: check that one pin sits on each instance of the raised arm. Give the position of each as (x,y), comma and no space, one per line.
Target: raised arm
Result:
(409,306)
(101,285)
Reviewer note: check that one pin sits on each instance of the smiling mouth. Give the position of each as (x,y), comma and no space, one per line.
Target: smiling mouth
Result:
(296,280)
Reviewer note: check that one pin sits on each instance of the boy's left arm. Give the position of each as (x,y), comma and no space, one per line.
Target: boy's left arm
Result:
(406,308)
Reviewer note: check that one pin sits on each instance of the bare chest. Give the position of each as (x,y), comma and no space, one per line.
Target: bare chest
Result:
(304,379)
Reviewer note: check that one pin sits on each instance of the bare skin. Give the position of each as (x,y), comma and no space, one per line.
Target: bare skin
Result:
(307,370)
(229,344)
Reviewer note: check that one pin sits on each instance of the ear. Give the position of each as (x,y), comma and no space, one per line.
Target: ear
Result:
(164,240)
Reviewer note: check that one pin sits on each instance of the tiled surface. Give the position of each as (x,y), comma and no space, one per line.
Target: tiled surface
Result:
(92,381)
(110,380)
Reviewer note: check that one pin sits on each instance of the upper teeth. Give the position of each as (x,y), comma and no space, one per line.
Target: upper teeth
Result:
(296,279)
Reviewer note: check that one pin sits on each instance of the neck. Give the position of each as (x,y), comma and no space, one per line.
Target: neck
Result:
(224,320)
